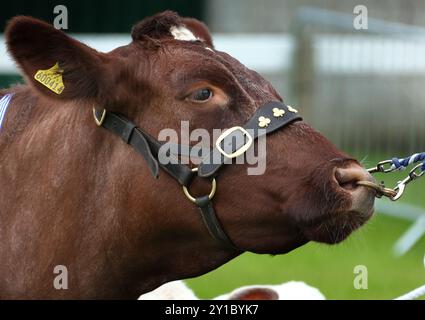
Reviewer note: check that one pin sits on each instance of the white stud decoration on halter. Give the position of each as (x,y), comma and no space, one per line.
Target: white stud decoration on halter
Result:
(293,110)
(277,113)
(263,122)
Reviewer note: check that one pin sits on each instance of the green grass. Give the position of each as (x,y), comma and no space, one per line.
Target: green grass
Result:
(330,268)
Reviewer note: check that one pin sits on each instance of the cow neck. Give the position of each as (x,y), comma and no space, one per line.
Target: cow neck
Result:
(231,143)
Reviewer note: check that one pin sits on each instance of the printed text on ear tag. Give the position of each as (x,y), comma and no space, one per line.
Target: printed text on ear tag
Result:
(51,78)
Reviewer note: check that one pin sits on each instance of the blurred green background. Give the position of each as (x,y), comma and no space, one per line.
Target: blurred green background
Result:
(361,105)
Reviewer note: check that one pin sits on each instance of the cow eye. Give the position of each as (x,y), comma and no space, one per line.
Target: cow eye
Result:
(201,95)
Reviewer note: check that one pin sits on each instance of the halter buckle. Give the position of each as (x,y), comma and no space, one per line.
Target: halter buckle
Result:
(102,117)
(239,151)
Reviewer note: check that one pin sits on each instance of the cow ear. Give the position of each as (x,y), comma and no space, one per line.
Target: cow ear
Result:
(255,294)
(54,63)
(199,29)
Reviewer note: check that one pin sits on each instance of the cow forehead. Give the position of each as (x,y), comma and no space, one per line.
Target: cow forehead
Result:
(195,58)
(185,53)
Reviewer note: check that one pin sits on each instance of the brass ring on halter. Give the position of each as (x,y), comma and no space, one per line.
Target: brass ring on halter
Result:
(210,196)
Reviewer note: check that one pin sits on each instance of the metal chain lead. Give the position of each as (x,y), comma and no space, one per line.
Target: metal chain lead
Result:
(388,166)
(382,167)
(413,175)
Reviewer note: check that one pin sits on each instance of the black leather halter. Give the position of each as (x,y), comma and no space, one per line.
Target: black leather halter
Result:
(232,143)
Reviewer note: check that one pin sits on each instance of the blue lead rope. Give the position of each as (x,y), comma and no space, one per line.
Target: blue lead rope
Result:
(401,164)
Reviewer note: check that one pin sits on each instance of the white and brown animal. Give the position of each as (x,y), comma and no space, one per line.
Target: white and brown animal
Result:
(293,290)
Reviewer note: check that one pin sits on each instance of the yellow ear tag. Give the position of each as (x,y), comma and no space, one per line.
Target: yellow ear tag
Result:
(51,78)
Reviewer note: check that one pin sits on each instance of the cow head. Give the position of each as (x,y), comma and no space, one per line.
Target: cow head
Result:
(171,72)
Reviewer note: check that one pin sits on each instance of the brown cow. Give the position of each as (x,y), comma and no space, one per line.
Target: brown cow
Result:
(73,194)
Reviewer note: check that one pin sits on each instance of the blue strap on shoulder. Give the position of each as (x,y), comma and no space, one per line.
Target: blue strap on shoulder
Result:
(4,104)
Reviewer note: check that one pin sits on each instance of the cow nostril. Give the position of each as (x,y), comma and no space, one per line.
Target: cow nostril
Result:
(347,178)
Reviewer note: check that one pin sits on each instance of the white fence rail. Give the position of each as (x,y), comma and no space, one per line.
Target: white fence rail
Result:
(272,53)
(266,53)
